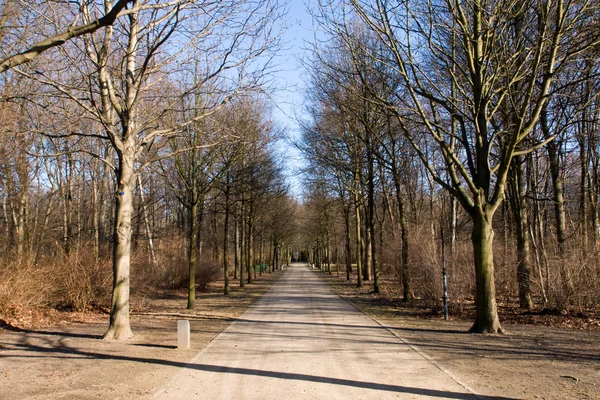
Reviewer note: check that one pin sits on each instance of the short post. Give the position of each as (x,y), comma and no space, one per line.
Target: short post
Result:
(444,278)
(183,334)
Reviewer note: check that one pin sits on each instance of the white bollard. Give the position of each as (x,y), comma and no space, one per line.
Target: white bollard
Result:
(183,334)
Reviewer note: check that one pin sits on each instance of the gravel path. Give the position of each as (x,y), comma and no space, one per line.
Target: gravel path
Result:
(302,341)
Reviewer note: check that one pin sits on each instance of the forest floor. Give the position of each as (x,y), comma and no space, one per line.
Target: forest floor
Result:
(60,356)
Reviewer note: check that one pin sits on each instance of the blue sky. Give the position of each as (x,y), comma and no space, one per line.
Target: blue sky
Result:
(290,82)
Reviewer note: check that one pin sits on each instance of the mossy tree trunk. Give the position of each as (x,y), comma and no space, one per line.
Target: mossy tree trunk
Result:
(482,237)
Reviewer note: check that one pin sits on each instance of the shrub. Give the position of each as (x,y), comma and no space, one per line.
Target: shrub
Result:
(71,282)
(209,271)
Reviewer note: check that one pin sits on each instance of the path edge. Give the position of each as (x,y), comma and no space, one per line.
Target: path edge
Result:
(410,345)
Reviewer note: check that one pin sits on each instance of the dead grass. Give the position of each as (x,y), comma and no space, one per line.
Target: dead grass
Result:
(59,293)
(389,303)
(73,282)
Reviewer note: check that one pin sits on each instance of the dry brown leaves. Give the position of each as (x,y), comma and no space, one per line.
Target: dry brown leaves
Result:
(390,300)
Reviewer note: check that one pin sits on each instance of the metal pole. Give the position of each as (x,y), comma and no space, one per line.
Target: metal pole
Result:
(444,278)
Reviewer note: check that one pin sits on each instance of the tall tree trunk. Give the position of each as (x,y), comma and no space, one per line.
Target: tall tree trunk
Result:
(348,240)
(236,257)
(79,226)
(594,188)
(199,232)
(554,155)
(519,206)
(371,217)
(6,223)
(95,219)
(328,249)
(453,219)
(275,254)
(21,224)
(103,208)
(41,236)
(368,253)
(358,238)
(35,225)
(536,231)
(147,227)
(595,197)
(482,237)
(216,241)
(119,327)
(66,217)
(192,256)
(583,203)
(253,252)
(226,240)
(337,259)
(432,216)
(271,264)
(260,254)
(249,255)
(561,225)
(242,251)
(406,296)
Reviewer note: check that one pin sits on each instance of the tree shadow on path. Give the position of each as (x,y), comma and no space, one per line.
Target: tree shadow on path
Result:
(67,352)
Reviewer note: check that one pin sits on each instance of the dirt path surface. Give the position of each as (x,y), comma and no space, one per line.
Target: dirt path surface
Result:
(299,341)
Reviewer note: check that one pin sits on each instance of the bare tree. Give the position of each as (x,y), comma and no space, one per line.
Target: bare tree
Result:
(468,46)
(132,80)
(9,12)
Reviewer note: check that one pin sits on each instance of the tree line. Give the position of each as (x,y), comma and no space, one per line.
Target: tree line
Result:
(471,118)
(138,131)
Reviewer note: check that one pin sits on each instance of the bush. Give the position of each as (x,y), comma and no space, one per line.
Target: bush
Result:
(208,272)
(70,282)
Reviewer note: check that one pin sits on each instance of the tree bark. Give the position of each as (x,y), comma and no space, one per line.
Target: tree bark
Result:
(359,271)
(103,209)
(236,257)
(583,209)
(242,246)
(95,219)
(482,237)
(519,206)
(348,240)
(328,249)
(249,250)
(21,225)
(368,250)
(554,153)
(371,215)
(275,255)
(192,256)
(406,296)
(119,327)
(261,249)
(226,240)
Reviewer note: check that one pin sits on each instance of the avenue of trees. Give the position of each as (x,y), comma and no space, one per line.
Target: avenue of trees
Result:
(478,119)
(138,150)
(137,133)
